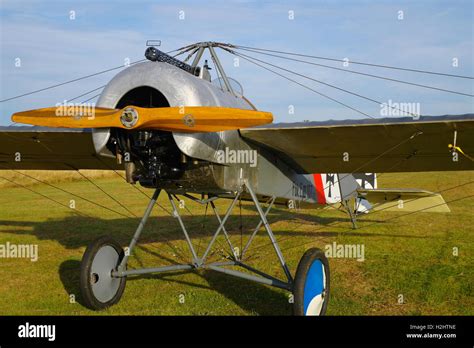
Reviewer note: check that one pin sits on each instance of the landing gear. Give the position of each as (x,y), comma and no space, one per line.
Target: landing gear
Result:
(98,287)
(311,286)
(104,265)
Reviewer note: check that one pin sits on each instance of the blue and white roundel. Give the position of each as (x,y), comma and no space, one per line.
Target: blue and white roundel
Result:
(313,289)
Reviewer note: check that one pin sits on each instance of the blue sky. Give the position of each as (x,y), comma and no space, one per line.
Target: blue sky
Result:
(53,48)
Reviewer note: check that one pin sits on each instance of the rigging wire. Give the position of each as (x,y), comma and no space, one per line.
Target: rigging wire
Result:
(183,50)
(359,63)
(364,74)
(217,72)
(307,87)
(392,218)
(76,210)
(258,247)
(358,170)
(329,85)
(68,192)
(67,82)
(189,55)
(134,186)
(49,198)
(107,194)
(303,85)
(372,160)
(174,196)
(82,95)
(203,228)
(77,79)
(93,97)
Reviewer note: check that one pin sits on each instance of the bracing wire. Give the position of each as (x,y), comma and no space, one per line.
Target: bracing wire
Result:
(307,87)
(107,194)
(363,74)
(47,197)
(258,247)
(328,84)
(67,82)
(84,94)
(75,80)
(70,193)
(91,98)
(359,63)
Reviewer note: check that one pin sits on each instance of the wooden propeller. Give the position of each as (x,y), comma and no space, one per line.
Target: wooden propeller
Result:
(175,119)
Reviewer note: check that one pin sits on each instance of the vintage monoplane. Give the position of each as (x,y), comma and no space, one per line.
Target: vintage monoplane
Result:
(171,129)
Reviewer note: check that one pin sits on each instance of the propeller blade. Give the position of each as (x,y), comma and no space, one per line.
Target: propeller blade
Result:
(175,119)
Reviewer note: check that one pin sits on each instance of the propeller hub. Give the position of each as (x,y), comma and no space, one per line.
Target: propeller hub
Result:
(188,120)
(129,117)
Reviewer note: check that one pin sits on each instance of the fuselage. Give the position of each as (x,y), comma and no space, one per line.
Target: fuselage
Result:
(203,163)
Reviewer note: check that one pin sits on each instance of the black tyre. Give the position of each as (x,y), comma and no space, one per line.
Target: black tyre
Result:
(311,286)
(98,288)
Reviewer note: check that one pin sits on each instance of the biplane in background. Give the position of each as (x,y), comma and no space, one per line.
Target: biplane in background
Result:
(171,129)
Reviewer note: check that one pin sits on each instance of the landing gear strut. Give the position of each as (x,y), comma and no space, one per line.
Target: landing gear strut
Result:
(104,265)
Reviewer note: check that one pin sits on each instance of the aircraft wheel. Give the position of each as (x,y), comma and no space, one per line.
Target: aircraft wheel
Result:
(98,288)
(311,286)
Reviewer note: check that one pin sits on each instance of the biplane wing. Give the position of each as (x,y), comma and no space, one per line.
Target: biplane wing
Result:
(50,149)
(387,147)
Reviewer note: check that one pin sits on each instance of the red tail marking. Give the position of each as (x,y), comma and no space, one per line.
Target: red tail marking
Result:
(318,185)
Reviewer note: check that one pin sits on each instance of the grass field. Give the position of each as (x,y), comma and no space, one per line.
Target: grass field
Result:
(408,255)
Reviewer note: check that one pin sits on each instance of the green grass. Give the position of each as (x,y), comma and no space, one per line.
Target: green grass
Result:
(409,255)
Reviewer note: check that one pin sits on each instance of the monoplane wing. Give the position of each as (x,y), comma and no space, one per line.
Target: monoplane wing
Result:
(49,149)
(383,147)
